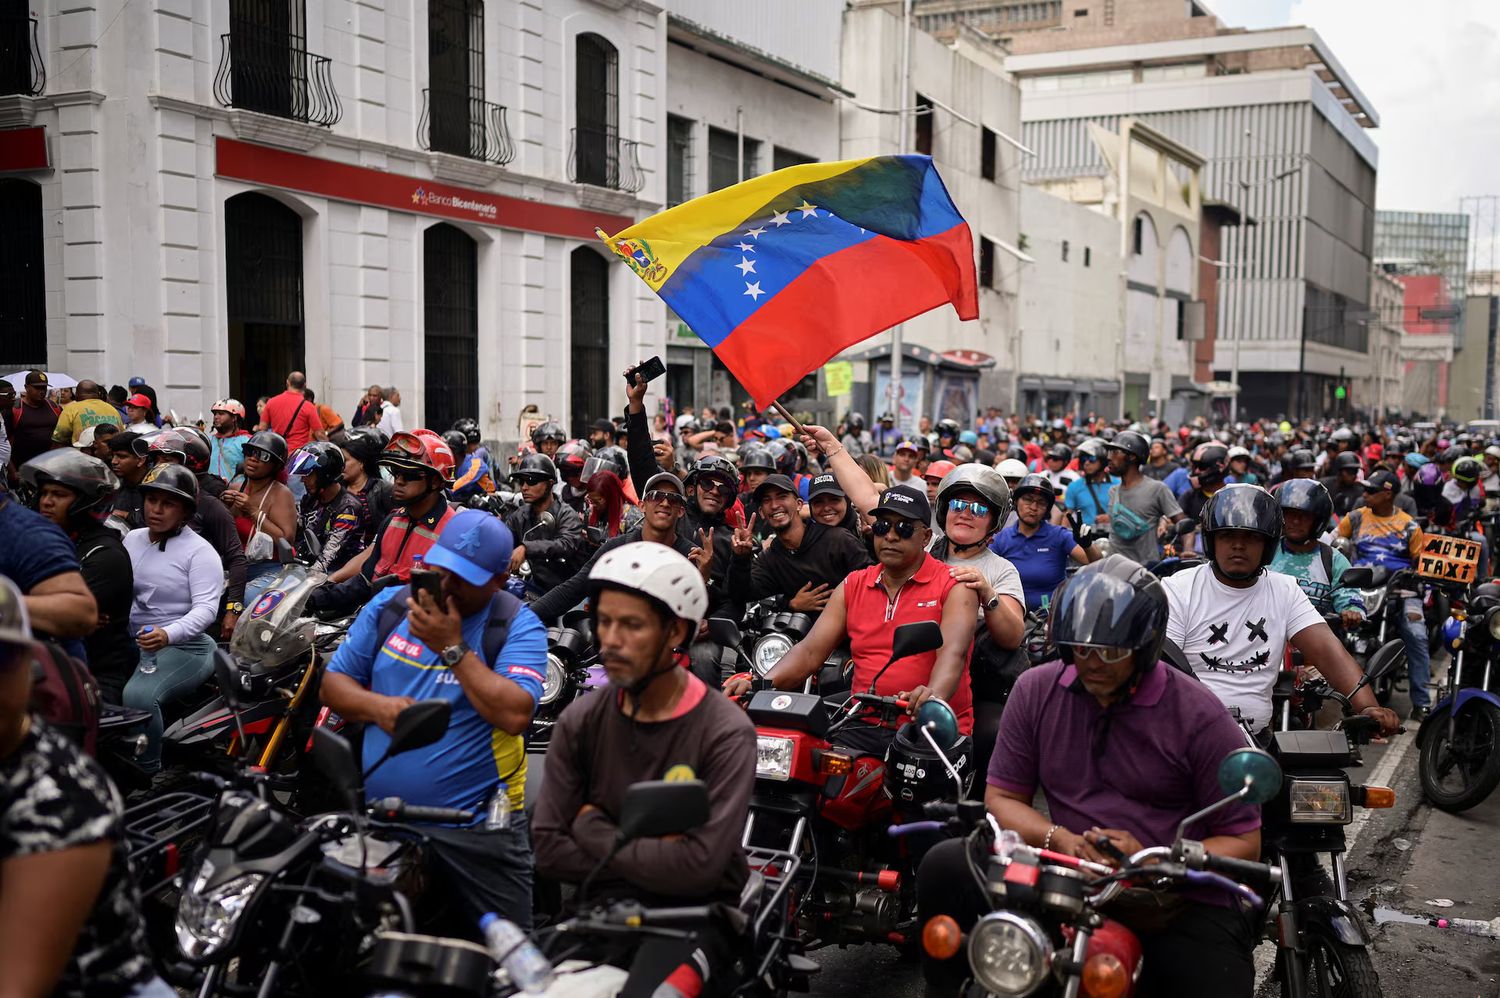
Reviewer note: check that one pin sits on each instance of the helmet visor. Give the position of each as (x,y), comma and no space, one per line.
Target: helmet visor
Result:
(1244,508)
(1105,612)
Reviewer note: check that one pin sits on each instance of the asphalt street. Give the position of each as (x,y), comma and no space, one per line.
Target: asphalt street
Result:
(1406,865)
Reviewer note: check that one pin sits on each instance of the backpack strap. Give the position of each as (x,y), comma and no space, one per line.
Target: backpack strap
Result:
(1326,553)
(391,614)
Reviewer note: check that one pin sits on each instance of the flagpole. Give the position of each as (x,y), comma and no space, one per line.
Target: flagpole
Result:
(776,404)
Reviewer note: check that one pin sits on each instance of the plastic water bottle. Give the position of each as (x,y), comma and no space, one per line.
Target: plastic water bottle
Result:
(523,963)
(497,813)
(148,658)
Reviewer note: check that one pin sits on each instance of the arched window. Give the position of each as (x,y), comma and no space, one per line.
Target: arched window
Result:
(23,296)
(450,264)
(1179,269)
(596,112)
(1145,250)
(263,285)
(590,339)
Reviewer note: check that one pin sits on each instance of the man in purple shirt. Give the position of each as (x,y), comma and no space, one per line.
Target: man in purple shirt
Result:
(1123,747)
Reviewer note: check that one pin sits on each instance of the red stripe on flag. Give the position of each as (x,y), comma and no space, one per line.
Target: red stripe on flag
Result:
(845,298)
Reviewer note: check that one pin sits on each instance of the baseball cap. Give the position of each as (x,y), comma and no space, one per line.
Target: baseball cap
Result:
(910,445)
(661,478)
(474,546)
(86,438)
(137,381)
(826,485)
(36,377)
(905,502)
(139,401)
(1382,481)
(774,482)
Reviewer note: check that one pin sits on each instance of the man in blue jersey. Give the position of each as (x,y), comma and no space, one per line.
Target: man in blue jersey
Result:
(485,653)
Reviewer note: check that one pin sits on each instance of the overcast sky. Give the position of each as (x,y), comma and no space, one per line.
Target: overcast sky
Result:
(1431,69)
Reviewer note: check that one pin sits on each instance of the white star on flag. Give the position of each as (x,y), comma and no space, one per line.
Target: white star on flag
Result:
(807,209)
(744,247)
(753,290)
(779,219)
(756,232)
(746,266)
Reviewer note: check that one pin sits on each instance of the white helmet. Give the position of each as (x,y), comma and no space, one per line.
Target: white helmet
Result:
(1235,452)
(1492,451)
(657,571)
(1011,468)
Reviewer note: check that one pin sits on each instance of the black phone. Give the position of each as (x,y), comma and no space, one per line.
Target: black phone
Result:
(649,371)
(427,580)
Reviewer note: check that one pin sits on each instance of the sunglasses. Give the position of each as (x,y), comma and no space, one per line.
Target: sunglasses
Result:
(529,479)
(666,496)
(904,528)
(1105,654)
(718,485)
(968,506)
(406,475)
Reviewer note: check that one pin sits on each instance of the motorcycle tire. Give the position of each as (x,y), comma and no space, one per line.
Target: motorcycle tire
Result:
(1476,733)
(1334,969)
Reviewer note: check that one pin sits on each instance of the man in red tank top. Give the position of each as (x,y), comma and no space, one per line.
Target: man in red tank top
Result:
(905,585)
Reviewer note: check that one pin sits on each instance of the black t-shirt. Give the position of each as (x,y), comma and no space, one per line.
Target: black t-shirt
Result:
(826,556)
(32,433)
(1193,503)
(107,572)
(52,798)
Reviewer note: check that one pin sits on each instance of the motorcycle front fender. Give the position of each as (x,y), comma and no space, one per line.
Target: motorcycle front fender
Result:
(1447,706)
(1339,916)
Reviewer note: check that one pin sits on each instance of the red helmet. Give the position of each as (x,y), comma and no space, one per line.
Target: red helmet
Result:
(420,449)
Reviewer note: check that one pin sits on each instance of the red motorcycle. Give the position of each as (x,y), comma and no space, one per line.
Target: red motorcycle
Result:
(823,804)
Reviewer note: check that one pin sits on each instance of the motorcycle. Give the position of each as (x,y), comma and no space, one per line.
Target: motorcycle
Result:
(826,806)
(278,905)
(771,634)
(1174,560)
(1047,933)
(573,669)
(1376,640)
(1459,742)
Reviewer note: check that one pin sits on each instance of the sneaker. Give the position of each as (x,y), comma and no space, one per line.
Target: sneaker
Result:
(1419,714)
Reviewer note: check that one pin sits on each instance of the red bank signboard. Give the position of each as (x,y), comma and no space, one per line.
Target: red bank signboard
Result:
(257,164)
(25,149)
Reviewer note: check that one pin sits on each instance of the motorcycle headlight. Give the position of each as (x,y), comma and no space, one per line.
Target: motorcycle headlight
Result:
(768,651)
(773,757)
(1321,802)
(1009,955)
(1492,623)
(206,917)
(552,686)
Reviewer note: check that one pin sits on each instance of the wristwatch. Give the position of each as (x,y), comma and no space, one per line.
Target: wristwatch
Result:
(994,602)
(234,608)
(453,654)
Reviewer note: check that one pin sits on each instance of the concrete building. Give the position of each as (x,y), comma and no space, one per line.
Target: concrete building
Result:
(751,88)
(1282,130)
(1482,322)
(1429,253)
(1383,385)
(967,115)
(211,194)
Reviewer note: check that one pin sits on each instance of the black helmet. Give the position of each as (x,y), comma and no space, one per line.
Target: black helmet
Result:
(1209,460)
(756,457)
(199,450)
(855,421)
(784,455)
(975,478)
(1243,507)
(1113,603)
(948,428)
(469,427)
(571,457)
(1466,471)
(1015,452)
(1061,452)
(914,773)
(1300,459)
(611,459)
(534,468)
(1452,454)
(319,458)
(550,430)
(1307,495)
(272,444)
(456,441)
(1131,443)
(1040,485)
(174,480)
(1346,461)
(366,444)
(88,477)
(715,465)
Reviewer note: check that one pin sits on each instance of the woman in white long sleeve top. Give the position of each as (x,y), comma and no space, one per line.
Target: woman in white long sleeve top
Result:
(179,580)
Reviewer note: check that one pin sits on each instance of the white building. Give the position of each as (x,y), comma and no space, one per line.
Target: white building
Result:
(968,114)
(209,194)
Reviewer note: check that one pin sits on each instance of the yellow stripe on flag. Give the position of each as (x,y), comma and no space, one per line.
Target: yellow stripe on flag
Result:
(657,245)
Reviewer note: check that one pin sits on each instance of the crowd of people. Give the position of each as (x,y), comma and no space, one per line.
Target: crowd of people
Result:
(137,543)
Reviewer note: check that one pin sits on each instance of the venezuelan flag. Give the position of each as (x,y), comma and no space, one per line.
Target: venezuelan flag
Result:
(779,273)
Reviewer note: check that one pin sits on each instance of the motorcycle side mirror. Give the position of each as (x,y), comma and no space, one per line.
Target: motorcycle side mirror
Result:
(423,723)
(546,519)
(227,675)
(1186,525)
(310,544)
(659,807)
(1358,578)
(285,553)
(915,639)
(938,726)
(334,757)
(1250,771)
(1379,667)
(723,631)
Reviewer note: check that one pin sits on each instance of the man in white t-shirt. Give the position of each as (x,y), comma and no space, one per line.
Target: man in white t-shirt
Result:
(1233,619)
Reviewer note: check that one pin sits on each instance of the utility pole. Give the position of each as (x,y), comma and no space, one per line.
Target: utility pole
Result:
(903,145)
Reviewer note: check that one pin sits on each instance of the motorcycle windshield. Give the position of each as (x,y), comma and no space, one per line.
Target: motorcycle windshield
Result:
(274,631)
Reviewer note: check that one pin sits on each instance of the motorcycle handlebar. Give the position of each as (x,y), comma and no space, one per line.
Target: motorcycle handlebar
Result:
(1241,869)
(396,809)
(633,915)
(912,827)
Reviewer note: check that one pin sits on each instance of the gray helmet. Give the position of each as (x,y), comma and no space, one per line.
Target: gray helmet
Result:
(87,476)
(757,458)
(974,478)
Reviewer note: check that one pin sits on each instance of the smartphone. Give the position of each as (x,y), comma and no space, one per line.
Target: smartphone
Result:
(426,580)
(649,371)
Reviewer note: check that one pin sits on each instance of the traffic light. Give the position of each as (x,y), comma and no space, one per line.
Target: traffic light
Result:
(1340,392)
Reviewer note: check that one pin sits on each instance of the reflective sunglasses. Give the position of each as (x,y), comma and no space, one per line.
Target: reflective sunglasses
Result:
(664,495)
(968,506)
(529,479)
(904,528)
(407,475)
(720,486)
(1106,654)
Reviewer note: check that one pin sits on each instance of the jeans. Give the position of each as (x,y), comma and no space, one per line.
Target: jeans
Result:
(180,669)
(1418,662)
(258,578)
(477,871)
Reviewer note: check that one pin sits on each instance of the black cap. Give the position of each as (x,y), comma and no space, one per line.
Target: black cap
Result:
(826,485)
(904,501)
(781,482)
(1382,481)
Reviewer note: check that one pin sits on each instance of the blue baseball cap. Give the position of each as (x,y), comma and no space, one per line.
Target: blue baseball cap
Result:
(474,545)
(137,381)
